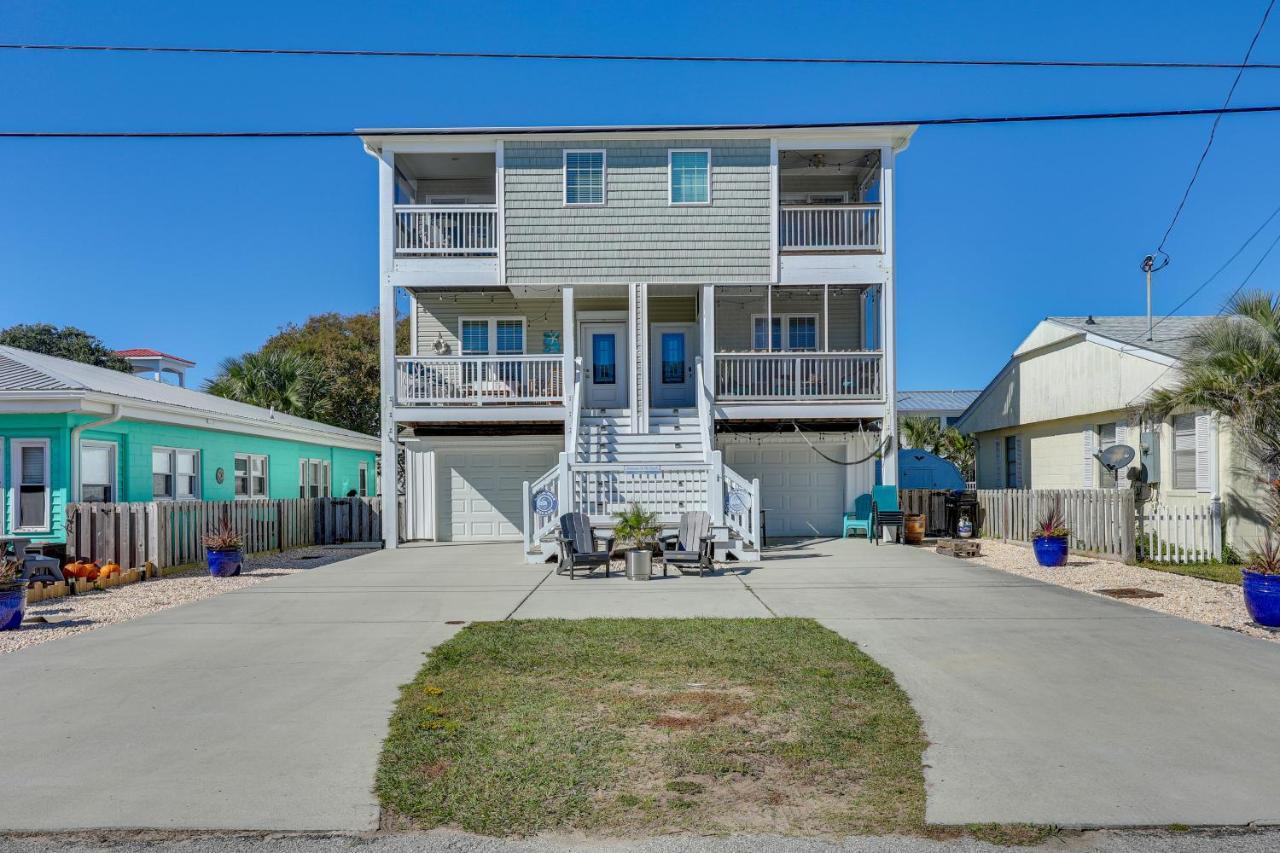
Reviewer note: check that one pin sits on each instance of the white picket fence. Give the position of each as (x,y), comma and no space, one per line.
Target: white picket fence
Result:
(1101,520)
(1183,534)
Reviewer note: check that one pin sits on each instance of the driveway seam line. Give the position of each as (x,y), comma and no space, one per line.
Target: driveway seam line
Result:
(748,588)
(528,595)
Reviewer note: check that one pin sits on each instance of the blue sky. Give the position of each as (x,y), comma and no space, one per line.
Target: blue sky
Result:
(205,248)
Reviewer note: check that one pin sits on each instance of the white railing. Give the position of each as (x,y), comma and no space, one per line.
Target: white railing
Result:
(1190,533)
(479,380)
(829,227)
(704,406)
(742,506)
(538,524)
(601,489)
(798,376)
(573,416)
(433,229)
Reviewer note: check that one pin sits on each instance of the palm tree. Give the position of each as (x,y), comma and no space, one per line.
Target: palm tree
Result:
(273,379)
(921,432)
(961,450)
(1233,368)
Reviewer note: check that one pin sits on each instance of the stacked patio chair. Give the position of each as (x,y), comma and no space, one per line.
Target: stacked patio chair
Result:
(885,512)
(692,544)
(579,547)
(36,568)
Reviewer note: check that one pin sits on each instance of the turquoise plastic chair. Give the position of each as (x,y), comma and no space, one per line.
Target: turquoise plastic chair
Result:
(885,512)
(885,498)
(859,519)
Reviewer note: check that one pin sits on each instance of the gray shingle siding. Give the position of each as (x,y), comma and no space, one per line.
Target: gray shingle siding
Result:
(637,235)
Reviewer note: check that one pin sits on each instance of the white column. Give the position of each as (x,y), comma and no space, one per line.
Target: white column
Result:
(387,347)
(775,268)
(888,334)
(568,340)
(826,317)
(707,343)
(768,317)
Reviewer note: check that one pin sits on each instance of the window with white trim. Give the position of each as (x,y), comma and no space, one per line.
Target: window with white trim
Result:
(1184,451)
(313,478)
(30,471)
(492,335)
(584,177)
(250,476)
(175,474)
(98,471)
(362,480)
(790,332)
(689,175)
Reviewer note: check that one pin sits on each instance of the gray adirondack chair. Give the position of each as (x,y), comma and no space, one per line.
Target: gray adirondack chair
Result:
(579,548)
(691,545)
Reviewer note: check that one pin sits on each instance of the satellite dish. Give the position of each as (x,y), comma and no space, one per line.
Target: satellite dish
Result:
(1116,456)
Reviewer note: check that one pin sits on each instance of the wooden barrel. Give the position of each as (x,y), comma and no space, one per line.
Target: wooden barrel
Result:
(914,532)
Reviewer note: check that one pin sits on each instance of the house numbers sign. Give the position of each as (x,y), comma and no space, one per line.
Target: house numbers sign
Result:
(544,503)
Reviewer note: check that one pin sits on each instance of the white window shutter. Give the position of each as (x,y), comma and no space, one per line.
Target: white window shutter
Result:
(1020,473)
(1204,477)
(1122,437)
(1089,463)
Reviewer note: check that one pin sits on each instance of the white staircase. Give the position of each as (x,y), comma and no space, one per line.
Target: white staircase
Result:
(669,469)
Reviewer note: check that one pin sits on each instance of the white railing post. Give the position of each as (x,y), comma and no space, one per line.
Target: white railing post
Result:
(715,488)
(756,538)
(566,496)
(527,505)
(1215,522)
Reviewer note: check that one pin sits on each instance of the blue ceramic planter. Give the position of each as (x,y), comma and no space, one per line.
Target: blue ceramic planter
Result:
(1050,551)
(225,564)
(1262,598)
(13,606)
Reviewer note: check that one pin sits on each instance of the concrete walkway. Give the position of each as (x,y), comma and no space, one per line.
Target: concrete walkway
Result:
(265,708)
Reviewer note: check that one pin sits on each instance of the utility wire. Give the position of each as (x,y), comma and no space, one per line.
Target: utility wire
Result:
(1213,129)
(641,57)
(517,131)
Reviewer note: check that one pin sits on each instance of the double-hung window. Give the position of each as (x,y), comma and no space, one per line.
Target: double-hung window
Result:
(362,482)
(492,335)
(97,471)
(250,476)
(689,172)
(313,478)
(175,474)
(584,177)
(787,332)
(30,467)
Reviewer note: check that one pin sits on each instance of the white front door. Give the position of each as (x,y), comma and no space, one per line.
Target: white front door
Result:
(604,365)
(672,347)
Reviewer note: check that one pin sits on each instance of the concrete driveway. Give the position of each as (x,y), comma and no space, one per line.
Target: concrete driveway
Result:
(265,708)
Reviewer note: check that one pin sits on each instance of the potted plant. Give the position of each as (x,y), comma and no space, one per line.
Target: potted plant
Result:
(224,551)
(636,531)
(1261,582)
(13,594)
(1049,540)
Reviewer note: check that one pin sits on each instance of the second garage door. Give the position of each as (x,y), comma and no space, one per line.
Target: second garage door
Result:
(802,494)
(479,487)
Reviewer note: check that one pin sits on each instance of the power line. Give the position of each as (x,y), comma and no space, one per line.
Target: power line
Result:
(515,131)
(642,57)
(1213,130)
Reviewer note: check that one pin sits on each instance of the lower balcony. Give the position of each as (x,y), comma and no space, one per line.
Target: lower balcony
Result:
(767,377)
(492,380)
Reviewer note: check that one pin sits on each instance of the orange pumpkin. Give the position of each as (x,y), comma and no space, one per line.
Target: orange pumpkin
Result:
(111,568)
(91,571)
(72,570)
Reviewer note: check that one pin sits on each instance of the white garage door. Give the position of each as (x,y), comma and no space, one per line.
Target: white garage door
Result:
(802,494)
(479,488)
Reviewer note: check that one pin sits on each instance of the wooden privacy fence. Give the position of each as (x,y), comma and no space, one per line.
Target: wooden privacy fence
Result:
(1183,534)
(170,533)
(932,504)
(1101,520)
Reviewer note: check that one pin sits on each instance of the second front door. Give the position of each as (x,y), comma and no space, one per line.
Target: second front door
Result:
(604,367)
(671,350)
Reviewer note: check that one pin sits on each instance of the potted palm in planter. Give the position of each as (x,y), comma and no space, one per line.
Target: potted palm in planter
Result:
(636,530)
(13,594)
(224,551)
(1261,582)
(1050,538)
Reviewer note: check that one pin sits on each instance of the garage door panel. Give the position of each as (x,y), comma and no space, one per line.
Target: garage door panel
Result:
(802,493)
(482,488)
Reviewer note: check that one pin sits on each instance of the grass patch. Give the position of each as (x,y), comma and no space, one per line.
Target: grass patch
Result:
(644,726)
(1220,572)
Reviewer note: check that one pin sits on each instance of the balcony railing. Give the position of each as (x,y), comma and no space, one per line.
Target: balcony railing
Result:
(480,380)
(829,227)
(432,229)
(768,376)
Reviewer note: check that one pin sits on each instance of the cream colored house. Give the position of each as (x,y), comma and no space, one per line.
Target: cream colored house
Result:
(1073,388)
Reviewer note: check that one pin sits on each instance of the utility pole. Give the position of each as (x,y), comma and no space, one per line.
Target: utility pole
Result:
(1148,264)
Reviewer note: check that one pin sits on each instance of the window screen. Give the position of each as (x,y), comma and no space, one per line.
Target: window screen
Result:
(690,177)
(510,335)
(97,473)
(33,491)
(802,333)
(475,337)
(584,177)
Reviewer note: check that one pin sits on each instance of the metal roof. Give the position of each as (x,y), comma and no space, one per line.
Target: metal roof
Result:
(933,401)
(1172,337)
(24,371)
(623,128)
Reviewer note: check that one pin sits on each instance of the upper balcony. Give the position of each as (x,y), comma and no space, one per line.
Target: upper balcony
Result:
(446,218)
(830,227)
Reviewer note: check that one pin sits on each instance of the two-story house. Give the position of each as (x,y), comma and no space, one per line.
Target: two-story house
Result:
(687,317)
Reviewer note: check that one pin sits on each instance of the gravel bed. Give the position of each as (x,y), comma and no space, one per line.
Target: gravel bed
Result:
(1197,599)
(92,610)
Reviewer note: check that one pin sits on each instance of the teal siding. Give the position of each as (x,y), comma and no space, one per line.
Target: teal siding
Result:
(134,441)
(637,235)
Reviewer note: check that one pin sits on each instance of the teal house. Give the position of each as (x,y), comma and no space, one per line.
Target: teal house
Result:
(72,432)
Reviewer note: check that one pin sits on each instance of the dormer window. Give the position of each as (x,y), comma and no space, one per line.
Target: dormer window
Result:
(690,176)
(584,177)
